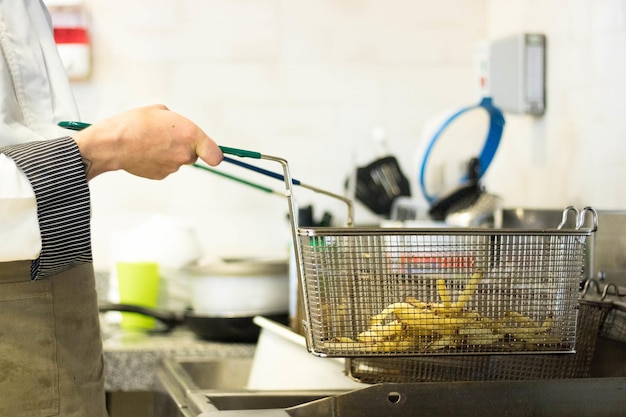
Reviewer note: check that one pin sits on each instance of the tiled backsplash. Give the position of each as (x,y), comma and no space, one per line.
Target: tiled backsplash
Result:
(310,80)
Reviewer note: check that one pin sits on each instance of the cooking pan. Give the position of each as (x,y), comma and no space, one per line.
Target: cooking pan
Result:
(460,198)
(220,329)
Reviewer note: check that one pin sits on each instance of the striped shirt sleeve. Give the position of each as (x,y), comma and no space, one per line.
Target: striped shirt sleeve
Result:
(57,175)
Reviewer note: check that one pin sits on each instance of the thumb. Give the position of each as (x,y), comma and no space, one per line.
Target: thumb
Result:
(208,151)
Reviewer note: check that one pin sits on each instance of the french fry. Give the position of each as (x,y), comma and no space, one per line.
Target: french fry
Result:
(389,310)
(368,336)
(444,295)
(480,335)
(423,305)
(442,343)
(380,332)
(468,291)
(416,325)
(521,319)
(546,326)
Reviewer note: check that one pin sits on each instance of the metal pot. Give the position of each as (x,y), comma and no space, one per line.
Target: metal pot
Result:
(240,287)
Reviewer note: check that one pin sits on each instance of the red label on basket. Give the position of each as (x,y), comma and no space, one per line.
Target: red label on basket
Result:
(432,262)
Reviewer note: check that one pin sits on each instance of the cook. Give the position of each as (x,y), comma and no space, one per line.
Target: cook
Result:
(50,346)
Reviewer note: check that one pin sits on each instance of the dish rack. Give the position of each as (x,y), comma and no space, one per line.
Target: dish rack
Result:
(393,299)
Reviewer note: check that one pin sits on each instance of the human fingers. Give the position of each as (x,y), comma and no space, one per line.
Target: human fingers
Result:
(207,150)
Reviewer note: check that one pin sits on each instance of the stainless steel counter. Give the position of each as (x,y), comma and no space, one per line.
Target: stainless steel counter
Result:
(205,389)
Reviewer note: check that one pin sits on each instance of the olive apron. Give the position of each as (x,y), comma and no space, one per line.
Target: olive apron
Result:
(50,344)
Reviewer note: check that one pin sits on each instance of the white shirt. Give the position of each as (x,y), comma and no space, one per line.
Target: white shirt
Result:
(35,94)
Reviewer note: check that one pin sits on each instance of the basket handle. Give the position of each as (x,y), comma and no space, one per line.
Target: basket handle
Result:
(73,125)
(292,181)
(241,152)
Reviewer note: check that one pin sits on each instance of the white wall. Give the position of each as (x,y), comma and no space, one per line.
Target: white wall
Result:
(304,80)
(308,80)
(576,153)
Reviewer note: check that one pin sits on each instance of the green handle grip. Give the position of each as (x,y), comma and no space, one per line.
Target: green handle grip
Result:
(240,152)
(74,125)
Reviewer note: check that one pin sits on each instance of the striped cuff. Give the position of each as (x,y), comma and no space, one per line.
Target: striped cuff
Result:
(57,175)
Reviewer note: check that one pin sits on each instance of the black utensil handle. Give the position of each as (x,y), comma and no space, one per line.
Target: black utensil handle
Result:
(170,319)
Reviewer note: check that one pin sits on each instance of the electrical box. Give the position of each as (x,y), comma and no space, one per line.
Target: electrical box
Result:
(512,71)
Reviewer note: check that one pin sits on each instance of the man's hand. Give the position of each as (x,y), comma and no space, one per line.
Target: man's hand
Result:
(150,142)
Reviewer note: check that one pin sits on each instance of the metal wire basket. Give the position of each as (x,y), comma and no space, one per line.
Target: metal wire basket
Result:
(407,292)
(614,327)
(592,313)
(411,292)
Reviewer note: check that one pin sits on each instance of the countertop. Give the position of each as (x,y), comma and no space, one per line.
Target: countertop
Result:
(132,358)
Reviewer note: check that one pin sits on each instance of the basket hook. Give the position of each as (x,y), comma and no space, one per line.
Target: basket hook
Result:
(580,217)
(566,212)
(583,214)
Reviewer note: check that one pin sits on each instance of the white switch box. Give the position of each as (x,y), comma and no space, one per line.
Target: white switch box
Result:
(512,71)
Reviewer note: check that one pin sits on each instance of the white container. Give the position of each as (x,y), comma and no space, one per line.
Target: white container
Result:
(240,287)
(282,362)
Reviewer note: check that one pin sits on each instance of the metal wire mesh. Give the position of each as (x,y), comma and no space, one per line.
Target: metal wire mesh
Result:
(614,326)
(413,292)
(591,316)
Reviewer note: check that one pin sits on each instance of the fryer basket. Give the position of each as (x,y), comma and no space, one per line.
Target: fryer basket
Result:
(408,292)
(614,327)
(400,292)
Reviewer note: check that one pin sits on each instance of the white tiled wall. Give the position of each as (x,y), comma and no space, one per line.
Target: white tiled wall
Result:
(309,80)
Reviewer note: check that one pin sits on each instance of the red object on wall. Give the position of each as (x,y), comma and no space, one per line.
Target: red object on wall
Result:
(71,35)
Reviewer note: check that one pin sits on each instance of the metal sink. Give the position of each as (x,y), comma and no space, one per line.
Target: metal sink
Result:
(202,387)
(219,374)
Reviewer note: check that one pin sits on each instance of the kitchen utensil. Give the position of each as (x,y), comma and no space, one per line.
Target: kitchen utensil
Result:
(615,325)
(496,126)
(238,179)
(460,198)
(404,209)
(354,279)
(486,211)
(229,287)
(219,329)
(365,279)
(379,183)
(256,155)
(278,349)
(75,125)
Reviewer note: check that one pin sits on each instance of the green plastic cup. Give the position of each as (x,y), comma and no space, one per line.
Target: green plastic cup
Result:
(138,284)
